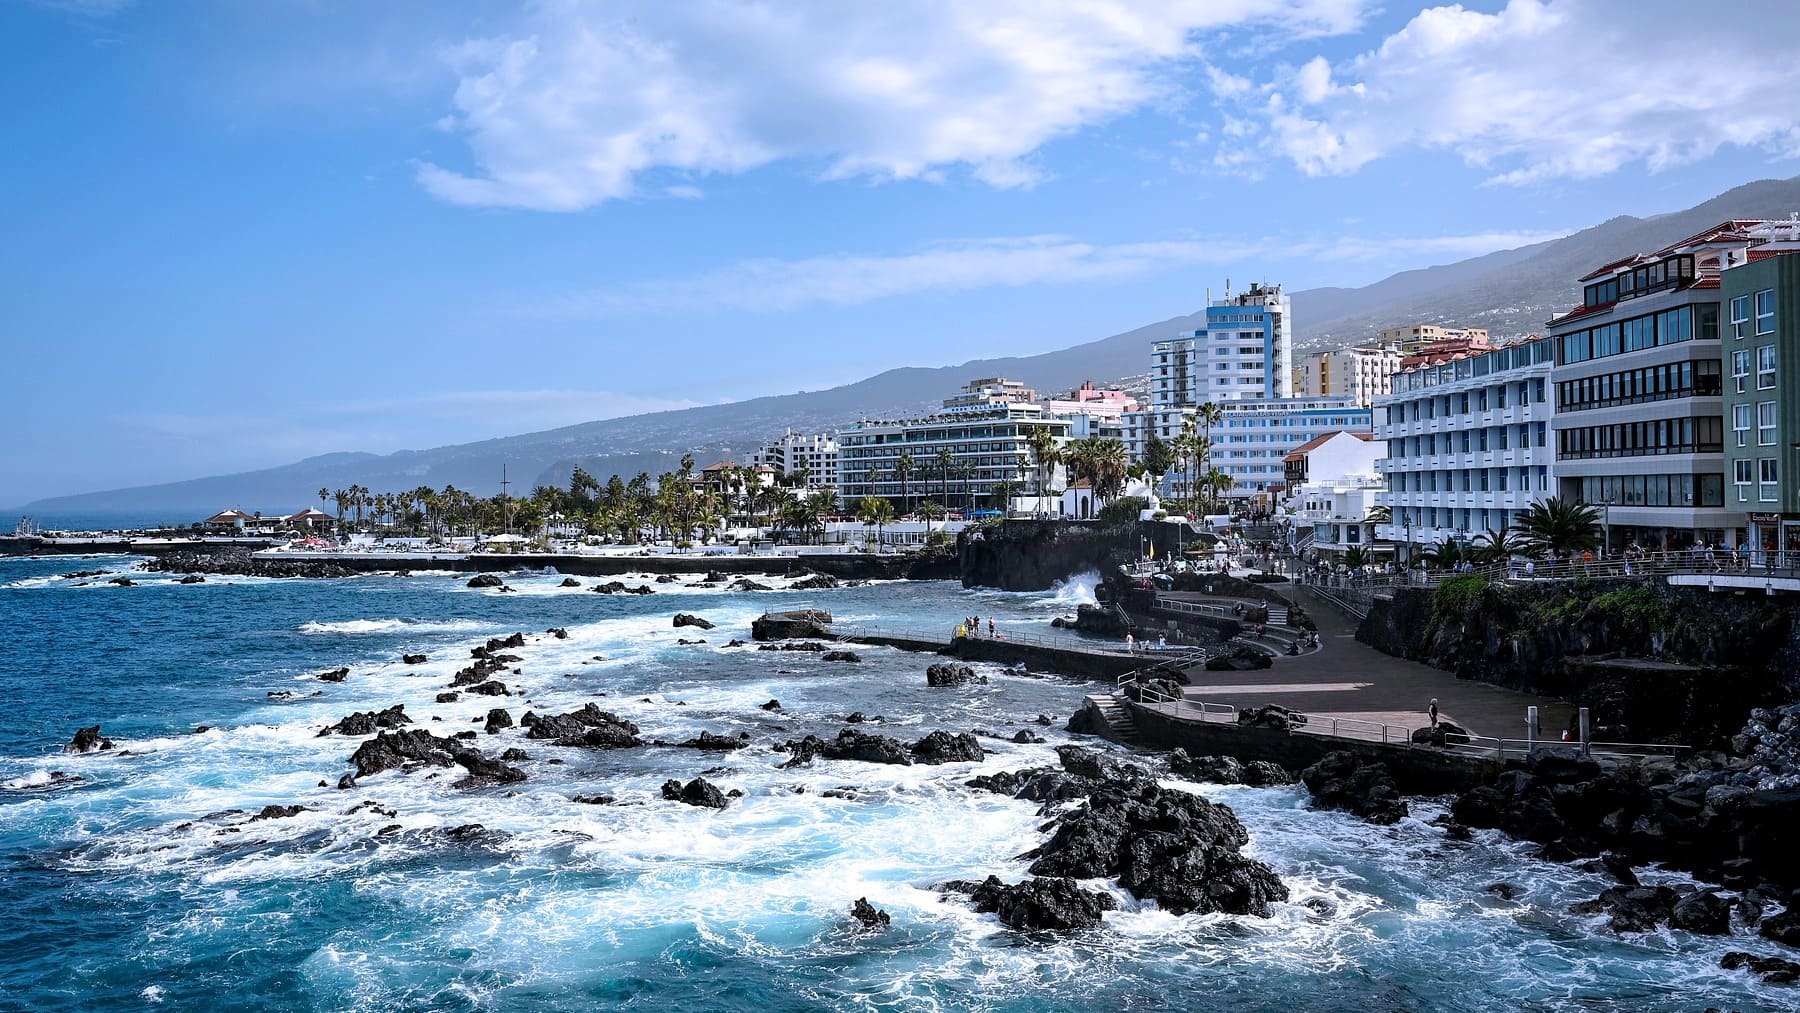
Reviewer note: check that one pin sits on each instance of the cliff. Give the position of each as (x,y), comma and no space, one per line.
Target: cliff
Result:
(1651,662)
(1029,555)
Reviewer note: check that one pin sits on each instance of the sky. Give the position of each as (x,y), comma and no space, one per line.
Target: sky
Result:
(233,235)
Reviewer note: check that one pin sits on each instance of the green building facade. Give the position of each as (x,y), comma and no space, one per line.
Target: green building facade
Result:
(1759,332)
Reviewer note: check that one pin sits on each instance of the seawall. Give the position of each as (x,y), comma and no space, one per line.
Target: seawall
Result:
(1416,771)
(844,566)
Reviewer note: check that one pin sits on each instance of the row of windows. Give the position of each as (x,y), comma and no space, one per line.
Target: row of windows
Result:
(1480,399)
(1652,490)
(1421,519)
(1683,323)
(1765,424)
(1765,368)
(1471,480)
(1468,441)
(1516,356)
(1741,317)
(1641,281)
(1637,386)
(1639,439)
(1767,474)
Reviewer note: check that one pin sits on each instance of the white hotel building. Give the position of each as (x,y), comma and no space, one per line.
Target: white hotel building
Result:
(811,454)
(1469,444)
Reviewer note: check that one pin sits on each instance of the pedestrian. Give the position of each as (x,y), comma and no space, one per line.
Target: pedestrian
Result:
(1162,642)
(1130,644)
(990,626)
(975,624)
(1433,712)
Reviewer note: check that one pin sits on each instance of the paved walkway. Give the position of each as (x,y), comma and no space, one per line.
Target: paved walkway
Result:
(1349,679)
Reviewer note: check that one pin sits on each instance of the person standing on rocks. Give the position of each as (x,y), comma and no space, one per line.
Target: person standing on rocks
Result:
(1432,711)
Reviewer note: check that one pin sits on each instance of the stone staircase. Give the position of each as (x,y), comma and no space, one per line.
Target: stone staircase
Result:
(1118,718)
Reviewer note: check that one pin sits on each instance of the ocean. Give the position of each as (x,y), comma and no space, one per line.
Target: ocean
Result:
(147,884)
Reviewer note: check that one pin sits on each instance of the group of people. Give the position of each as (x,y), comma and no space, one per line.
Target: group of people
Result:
(1133,645)
(971,627)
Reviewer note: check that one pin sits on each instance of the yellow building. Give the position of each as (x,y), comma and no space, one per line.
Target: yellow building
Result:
(1363,373)
(1412,338)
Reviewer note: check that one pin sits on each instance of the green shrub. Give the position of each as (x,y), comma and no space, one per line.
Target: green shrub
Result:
(1458,594)
(1632,608)
(1124,509)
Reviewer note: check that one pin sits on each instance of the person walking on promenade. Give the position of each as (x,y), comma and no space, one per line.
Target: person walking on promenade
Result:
(1130,644)
(1433,712)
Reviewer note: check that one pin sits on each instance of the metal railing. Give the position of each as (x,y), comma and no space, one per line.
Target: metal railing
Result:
(1467,745)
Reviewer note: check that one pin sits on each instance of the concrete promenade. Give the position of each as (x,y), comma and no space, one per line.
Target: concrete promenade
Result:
(1346,678)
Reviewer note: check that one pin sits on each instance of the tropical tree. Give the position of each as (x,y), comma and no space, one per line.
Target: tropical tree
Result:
(1379,515)
(1445,555)
(1217,482)
(1002,493)
(1356,557)
(945,461)
(1044,450)
(903,473)
(1159,458)
(324,495)
(875,512)
(1560,526)
(1109,468)
(1498,546)
(930,510)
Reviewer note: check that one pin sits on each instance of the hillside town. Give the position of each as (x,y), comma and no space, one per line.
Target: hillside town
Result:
(1655,412)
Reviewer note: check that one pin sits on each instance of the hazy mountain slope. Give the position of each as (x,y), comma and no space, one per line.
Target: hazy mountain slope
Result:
(1515,291)
(1509,292)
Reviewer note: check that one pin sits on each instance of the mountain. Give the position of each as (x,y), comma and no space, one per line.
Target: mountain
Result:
(1510,292)
(1513,292)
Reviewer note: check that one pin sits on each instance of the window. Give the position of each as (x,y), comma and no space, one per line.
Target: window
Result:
(1765,367)
(1740,316)
(1765,311)
(1741,472)
(1740,428)
(1768,480)
(1740,368)
(1765,423)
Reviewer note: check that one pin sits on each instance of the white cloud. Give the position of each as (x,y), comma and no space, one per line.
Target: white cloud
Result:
(575,110)
(769,285)
(1548,89)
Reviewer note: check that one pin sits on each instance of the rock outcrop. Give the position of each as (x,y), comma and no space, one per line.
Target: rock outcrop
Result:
(1228,770)
(369,722)
(868,915)
(688,619)
(1052,903)
(397,749)
(1343,781)
(590,726)
(797,624)
(88,740)
(944,673)
(698,792)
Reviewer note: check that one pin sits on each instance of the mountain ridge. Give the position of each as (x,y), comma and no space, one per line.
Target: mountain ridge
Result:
(1510,292)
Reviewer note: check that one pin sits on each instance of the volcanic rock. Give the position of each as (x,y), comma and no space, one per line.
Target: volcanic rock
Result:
(689,619)
(569,582)
(710,743)
(869,915)
(1367,790)
(1772,970)
(949,674)
(389,750)
(368,722)
(1046,902)
(486,580)
(413,659)
(943,747)
(88,740)
(788,625)
(840,656)
(589,726)
(335,675)
(497,719)
(772,705)
(850,744)
(698,792)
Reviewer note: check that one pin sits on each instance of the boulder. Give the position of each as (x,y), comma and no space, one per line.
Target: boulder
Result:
(850,744)
(710,743)
(391,750)
(666,578)
(497,719)
(1783,928)
(569,582)
(1025,736)
(490,688)
(413,659)
(192,578)
(798,623)
(698,792)
(558,632)
(368,722)
(449,696)
(335,675)
(1772,970)
(772,705)
(1053,903)
(688,619)
(946,673)
(815,582)
(840,656)
(1632,908)
(593,800)
(746,584)
(1270,716)
(1444,733)
(1343,781)
(1702,912)
(278,812)
(589,726)
(1161,844)
(1241,658)
(486,580)
(943,747)
(514,755)
(88,740)
(870,916)
(123,582)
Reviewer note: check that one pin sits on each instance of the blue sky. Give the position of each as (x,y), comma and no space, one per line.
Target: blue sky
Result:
(237,234)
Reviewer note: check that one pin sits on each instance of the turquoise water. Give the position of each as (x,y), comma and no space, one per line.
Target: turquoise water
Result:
(145,885)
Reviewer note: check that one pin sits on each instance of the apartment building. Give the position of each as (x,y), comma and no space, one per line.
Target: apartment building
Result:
(1244,351)
(1332,482)
(1469,444)
(1253,439)
(1411,338)
(792,455)
(1361,374)
(1639,422)
(1759,338)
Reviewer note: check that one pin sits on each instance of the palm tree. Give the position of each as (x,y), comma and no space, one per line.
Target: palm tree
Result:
(1043,447)
(1356,557)
(903,472)
(1379,515)
(324,494)
(929,509)
(875,512)
(1217,483)
(342,498)
(1159,457)
(1445,554)
(1209,415)
(1111,465)
(1560,526)
(1001,495)
(1497,546)
(944,460)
